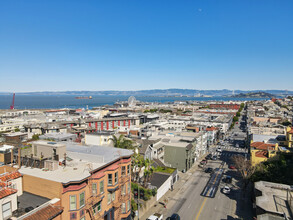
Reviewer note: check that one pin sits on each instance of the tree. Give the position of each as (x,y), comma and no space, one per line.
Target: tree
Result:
(16,129)
(235,118)
(286,123)
(121,142)
(244,167)
(237,114)
(35,137)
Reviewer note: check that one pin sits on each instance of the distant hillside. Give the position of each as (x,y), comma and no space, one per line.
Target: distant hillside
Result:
(158,92)
(254,95)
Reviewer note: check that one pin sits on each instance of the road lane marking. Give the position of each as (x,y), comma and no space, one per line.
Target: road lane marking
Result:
(201,208)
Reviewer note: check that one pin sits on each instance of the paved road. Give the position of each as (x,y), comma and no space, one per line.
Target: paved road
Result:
(190,205)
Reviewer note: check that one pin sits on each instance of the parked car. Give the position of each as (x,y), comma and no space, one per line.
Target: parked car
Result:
(232,167)
(227,179)
(209,170)
(155,216)
(204,162)
(214,157)
(174,217)
(219,149)
(226,190)
(209,157)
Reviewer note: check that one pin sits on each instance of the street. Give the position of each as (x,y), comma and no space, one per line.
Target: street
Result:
(189,201)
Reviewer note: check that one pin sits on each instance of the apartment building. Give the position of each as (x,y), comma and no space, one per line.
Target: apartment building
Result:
(92,182)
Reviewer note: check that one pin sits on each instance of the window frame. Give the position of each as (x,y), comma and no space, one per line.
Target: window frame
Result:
(101,183)
(115,178)
(10,209)
(72,196)
(94,189)
(80,206)
(110,180)
(123,171)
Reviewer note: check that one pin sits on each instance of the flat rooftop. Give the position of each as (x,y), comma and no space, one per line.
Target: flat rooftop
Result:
(273,198)
(57,135)
(49,143)
(83,159)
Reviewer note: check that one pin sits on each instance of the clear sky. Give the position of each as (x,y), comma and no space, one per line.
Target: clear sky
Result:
(58,45)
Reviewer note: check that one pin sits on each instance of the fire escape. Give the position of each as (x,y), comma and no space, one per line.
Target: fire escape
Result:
(92,201)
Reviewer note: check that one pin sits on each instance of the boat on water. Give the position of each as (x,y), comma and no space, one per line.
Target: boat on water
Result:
(84,97)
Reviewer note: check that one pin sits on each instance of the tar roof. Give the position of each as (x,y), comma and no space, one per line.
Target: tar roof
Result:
(158,179)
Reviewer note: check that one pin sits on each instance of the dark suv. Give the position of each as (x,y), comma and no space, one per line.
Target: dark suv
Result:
(228,179)
(174,217)
(209,170)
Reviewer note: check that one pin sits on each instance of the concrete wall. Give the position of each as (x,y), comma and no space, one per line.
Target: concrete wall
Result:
(101,140)
(176,157)
(11,198)
(18,185)
(164,188)
(42,187)
(47,151)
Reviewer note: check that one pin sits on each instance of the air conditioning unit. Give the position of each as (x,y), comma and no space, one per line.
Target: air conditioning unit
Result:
(51,165)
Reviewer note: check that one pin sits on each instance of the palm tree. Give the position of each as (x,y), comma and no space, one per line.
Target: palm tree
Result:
(117,141)
(121,142)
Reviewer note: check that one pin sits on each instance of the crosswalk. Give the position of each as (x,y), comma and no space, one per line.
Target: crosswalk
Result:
(229,153)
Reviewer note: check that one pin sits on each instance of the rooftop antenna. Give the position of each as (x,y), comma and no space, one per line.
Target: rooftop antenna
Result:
(12,105)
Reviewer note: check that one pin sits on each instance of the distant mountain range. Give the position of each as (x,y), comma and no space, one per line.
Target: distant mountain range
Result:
(158,92)
(254,95)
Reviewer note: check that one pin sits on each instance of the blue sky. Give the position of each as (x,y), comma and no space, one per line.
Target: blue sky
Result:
(58,45)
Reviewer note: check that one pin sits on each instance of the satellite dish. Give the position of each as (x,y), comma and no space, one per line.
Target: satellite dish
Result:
(131,101)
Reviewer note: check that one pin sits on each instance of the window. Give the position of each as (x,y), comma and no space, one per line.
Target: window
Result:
(94,189)
(81,199)
(72,202)
(81,213)
(6,210)
(123,189)
(113,196)
(73,215)
(128,169)
(97,208)
(109,198)
(128,188)
(123,171)
(128,206)
(110,179)
(116,177)
(123,208)
(102,187)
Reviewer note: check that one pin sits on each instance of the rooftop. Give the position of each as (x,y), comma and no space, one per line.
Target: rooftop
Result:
(49,143)
(262,146)
(84,159)
(273,197)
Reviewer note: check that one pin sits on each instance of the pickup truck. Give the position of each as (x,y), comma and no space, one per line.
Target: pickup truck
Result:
(155,216)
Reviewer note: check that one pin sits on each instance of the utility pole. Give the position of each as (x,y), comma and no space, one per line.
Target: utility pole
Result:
(138,201)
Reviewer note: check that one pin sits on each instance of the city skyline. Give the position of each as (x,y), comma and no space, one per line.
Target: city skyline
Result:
(129,45)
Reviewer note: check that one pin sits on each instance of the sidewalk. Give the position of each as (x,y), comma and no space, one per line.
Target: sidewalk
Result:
(178,186)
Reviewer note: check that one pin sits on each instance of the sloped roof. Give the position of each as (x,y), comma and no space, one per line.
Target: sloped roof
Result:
(10,176)
(48,212)
(145,143)
(262,146)
(262,154)
(6,192)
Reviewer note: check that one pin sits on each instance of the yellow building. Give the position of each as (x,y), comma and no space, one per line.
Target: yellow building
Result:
(289,138)
(260,152)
